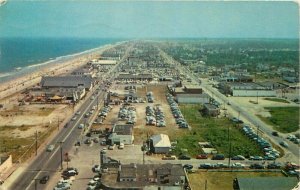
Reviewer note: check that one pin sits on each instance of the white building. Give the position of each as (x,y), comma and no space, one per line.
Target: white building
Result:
(161,143)
(121,134)
(193,98)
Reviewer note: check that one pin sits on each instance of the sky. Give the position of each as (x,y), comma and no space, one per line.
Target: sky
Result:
(165,19)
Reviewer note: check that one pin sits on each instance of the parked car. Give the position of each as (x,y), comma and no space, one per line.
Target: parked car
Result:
(187,166)
(218,157)
(202,156)
(96,168)
(238,157)
(275,133)
(238,165)
(274,166)
(121,146)
(184,157)
(169,157)
(111,147)
(74,118)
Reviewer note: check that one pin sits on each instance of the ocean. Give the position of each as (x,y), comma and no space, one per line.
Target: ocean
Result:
(25,40)
(20,55)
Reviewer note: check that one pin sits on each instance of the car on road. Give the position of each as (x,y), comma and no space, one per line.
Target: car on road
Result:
(238,157)
(238,165)
(81,126)
(256,158)
(256,166)
(50,148)
(202,156)
(284,144)
(78,112)
(74,118)
(275,133)
(206,166)
(88,141)
(44,179)
(274,166)
(187,166)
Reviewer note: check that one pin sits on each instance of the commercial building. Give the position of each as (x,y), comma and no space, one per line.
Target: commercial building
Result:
(160,143)
(211,110)
(121,134)
(69,81)
(135,77)
(246,89)
(146,176)
(192,98)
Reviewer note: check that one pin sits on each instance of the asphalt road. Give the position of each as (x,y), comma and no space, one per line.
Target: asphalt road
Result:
(48,163)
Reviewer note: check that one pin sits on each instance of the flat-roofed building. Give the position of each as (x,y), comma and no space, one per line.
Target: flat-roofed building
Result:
(121,134)
(211,110)
(192,98)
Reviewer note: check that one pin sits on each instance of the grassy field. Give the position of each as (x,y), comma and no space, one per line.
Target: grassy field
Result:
(215,180)
(284,119)
(277,100)
(214,130)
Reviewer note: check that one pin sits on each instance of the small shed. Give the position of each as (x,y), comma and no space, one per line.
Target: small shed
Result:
(161,143)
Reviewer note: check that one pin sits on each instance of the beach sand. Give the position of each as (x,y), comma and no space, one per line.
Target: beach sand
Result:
(31,79)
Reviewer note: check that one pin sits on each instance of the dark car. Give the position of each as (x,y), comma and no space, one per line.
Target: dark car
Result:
(256,166)
(274,133)
(274,166)
(218,157)
(188,166)
(202,156)
(44,179)
(184,157)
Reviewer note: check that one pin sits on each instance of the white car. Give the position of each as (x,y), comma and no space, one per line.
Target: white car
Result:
(50,148)
(74,118)
(81,126)
(121,146)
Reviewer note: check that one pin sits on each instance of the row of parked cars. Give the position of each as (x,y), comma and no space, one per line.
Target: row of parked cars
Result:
(293,138)
(269,152)
(67,179)
(155,116)
(128,113)
(238,165)
(180,121)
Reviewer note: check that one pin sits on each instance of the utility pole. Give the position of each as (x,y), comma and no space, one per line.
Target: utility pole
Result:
(57,123)
(61,154)
(36,142)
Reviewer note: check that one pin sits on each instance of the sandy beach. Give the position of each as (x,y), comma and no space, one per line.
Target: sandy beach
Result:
(58,67)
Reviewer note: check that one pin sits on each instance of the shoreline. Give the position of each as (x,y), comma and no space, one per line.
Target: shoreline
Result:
(57,66)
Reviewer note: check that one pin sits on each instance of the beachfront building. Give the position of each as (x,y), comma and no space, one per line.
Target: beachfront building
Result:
(65,88)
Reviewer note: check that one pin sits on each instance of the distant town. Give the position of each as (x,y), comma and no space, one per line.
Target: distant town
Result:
(157,114)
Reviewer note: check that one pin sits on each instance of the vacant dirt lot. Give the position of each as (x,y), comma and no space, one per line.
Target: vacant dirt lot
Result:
(19,124)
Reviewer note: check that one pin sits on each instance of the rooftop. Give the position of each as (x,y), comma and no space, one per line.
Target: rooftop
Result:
(161,140)
(123,129)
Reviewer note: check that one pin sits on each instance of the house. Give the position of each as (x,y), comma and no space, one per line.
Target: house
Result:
(146,176)
(160,143)
(121,134)
(192,98)
(264,183)
(211,110)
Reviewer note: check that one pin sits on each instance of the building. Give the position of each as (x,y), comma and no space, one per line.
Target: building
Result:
(135,77)
(246,89)
(211,110)
(192,98)
(192,89)
(265,183)
(160,143)
(121,134)
(146,176)
(69,81)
